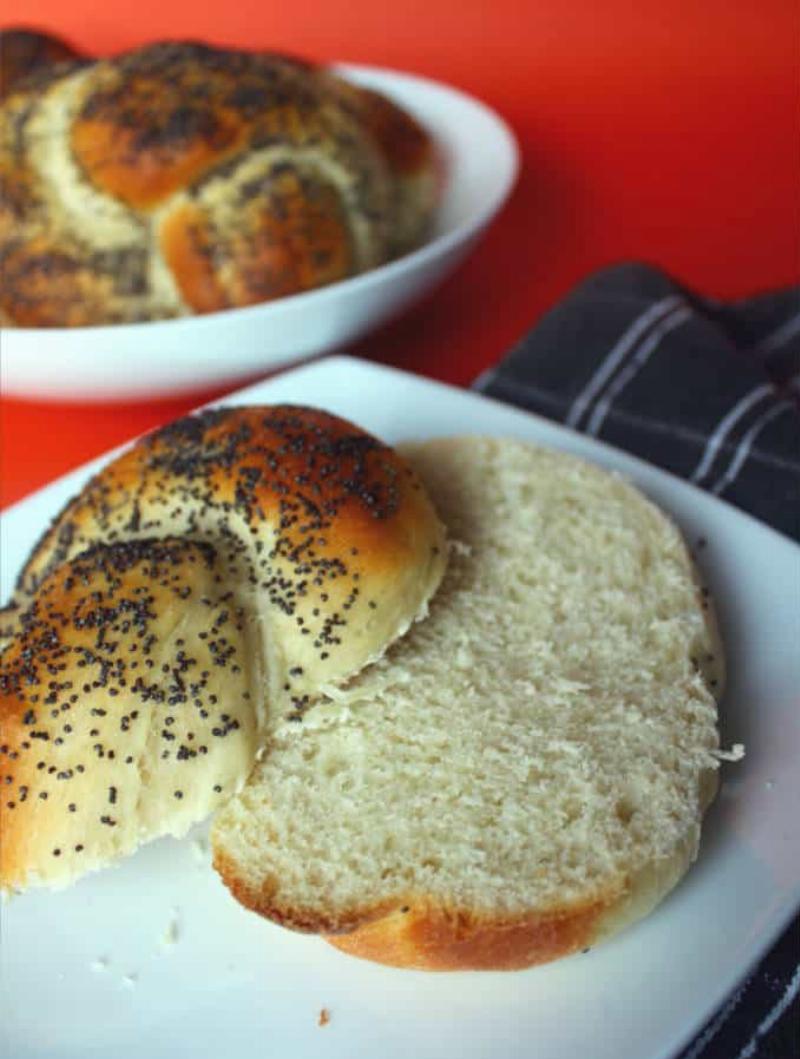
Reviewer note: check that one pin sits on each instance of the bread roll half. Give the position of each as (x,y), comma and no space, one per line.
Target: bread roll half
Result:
(526,771)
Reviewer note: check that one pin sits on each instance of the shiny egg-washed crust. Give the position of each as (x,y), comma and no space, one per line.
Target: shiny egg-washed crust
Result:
(125,706)
(419,932)
(180,179)
(340,541)
(242,560)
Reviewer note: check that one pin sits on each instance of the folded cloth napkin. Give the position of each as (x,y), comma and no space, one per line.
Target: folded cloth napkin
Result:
(710,391)
(705,389)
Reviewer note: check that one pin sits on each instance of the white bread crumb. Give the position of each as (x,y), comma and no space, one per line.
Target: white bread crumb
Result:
(736,753)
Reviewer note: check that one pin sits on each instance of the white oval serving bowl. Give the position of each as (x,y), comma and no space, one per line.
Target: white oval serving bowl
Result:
(481,161)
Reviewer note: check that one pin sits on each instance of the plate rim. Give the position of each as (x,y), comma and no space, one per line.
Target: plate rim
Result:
(351,362)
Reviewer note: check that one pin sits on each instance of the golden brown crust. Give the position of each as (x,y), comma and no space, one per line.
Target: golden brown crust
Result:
(117,159)
(156,119)
(419,933)
(434,939)
(126,706)
(301,240)
(292,236)
(422,933)
(52,286)
(344,542)
(188,249)
(212,179)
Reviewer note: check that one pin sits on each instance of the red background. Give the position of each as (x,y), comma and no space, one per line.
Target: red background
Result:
(665,131)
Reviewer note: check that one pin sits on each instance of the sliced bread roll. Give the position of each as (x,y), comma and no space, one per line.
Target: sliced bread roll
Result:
(218,573)
(525,772)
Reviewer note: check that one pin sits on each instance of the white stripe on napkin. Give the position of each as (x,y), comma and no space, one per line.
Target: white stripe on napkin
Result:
(615,356)
(714,1027)
(669,323)
(744,446)
(788,329)
(725,426)
(766,1025)
(484,379)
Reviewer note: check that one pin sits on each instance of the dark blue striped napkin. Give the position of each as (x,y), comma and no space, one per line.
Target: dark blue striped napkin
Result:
(710,391)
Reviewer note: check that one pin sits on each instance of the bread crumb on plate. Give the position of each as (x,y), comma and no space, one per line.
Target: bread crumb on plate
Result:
(171,932)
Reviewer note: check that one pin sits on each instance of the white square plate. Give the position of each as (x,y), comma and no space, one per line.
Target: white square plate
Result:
(84,972)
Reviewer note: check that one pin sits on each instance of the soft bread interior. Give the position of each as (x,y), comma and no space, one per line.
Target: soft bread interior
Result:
(544,739)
